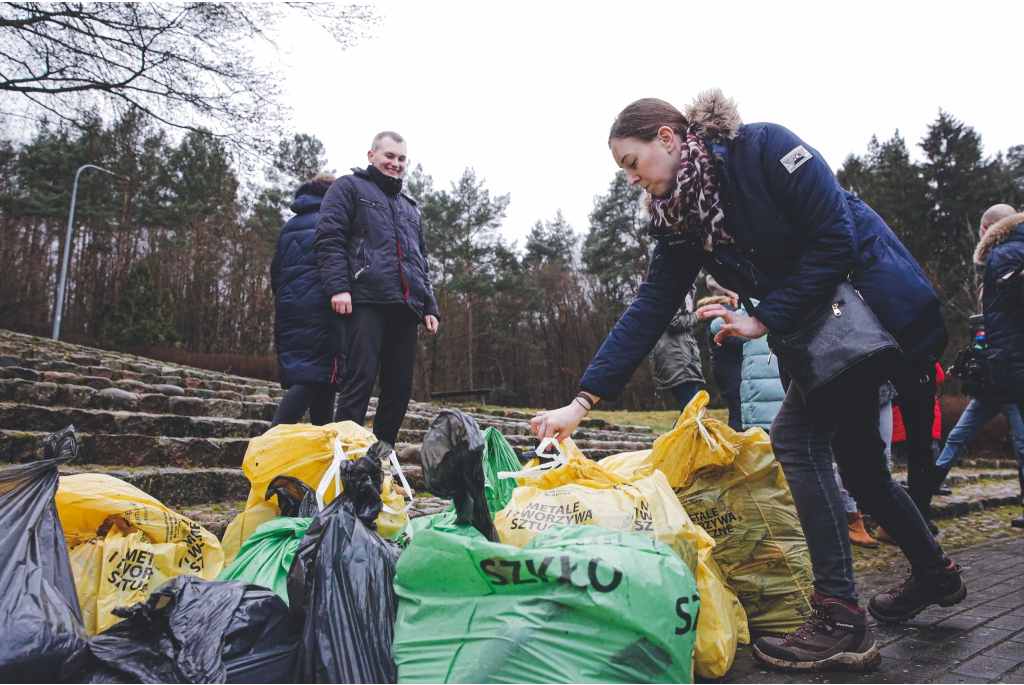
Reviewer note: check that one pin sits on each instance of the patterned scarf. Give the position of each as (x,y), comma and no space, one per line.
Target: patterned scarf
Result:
(694,207)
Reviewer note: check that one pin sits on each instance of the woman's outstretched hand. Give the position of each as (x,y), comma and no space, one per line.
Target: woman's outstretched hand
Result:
(558,423)
(735,323)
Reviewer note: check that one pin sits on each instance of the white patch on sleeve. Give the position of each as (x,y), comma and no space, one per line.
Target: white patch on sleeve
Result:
(795,158)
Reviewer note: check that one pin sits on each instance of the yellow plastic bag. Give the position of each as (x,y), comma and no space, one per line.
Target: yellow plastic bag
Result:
(124,544)
(305,452)
(731,485)
(582,492)
(630,496)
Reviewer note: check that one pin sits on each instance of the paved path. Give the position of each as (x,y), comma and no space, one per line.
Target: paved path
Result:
(980,640)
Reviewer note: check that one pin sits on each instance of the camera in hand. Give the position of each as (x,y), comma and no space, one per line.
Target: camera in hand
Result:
(971,363)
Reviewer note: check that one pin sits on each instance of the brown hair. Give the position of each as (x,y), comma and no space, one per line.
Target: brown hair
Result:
(324,177)
(643,118)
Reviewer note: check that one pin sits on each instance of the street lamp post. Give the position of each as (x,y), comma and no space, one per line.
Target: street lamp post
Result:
(67,248)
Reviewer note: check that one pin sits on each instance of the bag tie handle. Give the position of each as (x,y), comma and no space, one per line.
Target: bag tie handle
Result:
(393,458)
(712,445)
(558,459)
(334,471)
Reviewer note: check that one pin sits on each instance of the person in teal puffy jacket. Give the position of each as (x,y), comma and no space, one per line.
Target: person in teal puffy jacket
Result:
(761,391)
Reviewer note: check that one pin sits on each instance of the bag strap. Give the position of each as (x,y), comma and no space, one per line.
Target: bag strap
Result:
(708,440)
(393,457)
(334,471)
(558,459)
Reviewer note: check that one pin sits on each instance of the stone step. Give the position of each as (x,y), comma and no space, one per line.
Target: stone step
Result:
(50,394)
(972,498)
(47,355)
(169,385)
(961,477)
(131,450)
(591,423)
(421,416)
(27,417)
(176,487)
(989,464)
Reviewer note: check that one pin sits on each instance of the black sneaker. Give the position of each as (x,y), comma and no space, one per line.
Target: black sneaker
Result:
(835,637)
(1018,522)
(942,586)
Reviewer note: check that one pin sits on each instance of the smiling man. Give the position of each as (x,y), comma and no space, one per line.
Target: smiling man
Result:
(373,263)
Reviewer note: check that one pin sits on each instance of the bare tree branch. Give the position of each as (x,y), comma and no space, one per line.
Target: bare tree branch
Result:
(188,65)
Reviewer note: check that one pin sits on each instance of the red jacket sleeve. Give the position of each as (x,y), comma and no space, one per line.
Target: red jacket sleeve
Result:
(899,433)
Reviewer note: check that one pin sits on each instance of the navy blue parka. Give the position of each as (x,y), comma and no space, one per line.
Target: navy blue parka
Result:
(370,244)
(308,334)
(797,235)
(1001,250)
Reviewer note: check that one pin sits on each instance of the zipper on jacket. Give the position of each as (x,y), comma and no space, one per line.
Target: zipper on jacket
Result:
(398,241)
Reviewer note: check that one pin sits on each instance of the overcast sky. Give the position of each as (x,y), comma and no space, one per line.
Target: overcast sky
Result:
(524,92)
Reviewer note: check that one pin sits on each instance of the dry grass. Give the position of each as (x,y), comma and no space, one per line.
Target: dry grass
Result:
(659,421)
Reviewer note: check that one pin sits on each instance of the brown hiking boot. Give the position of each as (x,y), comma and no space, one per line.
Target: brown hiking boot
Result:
(883,536)
(835,637)
(942,586)
(858,534)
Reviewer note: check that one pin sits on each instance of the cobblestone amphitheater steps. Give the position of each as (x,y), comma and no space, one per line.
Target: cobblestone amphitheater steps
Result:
(180,433)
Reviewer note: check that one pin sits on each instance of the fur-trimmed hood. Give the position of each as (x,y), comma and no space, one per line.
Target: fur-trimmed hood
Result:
(717,299)
(716,114)
(996,235)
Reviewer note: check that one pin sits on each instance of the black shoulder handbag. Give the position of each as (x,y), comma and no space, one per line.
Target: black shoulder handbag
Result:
(838,343)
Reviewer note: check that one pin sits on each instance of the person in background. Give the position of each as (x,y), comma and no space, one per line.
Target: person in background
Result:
(308,334)
(899,431)
(761,391)
(727,356)
(916,387)
(1001,252)
(373,262)
(675,359)
(854,519)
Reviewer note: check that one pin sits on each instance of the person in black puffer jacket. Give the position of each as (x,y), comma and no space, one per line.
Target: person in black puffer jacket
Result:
(308,335)
(373,263)
(1001,252)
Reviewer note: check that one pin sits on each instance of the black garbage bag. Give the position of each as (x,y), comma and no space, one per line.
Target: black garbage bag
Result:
(295,499)
(340,584)
(194,631)
(452,458)
(40,620)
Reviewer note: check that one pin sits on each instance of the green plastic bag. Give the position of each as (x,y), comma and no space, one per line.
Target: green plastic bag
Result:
(445,521)
(266,556)
(498,456)
(576,604)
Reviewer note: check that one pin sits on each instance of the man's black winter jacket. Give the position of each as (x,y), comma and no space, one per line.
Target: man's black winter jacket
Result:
(371,245)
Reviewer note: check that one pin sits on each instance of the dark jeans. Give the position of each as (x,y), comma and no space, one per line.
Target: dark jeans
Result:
(805,439)
(684,393)
(384,338)
(736,415)
(916,399)
(318,398)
